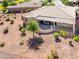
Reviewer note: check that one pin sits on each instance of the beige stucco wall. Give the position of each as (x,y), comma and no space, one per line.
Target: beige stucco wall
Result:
(65,25)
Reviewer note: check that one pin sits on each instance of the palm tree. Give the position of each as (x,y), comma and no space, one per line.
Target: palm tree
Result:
(33,26)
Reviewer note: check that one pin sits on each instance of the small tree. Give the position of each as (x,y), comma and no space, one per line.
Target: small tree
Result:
(33,26)
(56,35)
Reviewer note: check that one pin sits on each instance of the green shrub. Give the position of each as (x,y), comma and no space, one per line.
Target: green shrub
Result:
(76,38)
(56,34)
(12,3)
(2,44)
(49,57)
(22,43)
(23,30)
(63,33)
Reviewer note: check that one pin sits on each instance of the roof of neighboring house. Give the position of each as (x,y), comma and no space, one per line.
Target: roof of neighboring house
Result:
(1,0)
(26,4)
(73,0)
(67,13)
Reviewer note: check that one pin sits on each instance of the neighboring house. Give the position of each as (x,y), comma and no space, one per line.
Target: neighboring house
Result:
(24,7)
(63,16)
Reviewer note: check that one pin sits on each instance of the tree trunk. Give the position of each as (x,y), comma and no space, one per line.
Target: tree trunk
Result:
(40,35)
(33,34)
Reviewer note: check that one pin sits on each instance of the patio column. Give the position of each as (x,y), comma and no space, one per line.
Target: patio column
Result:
(73,28)
(54,25)
(51,26)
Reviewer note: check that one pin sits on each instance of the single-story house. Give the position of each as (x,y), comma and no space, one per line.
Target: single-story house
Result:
(63,16)
(24,7)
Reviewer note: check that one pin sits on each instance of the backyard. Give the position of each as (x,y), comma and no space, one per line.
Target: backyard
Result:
(16,46)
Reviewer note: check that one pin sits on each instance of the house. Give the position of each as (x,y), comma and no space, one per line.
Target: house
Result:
(63,16)
(24,7)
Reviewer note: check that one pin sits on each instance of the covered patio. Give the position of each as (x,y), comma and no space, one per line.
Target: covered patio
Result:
(63,16)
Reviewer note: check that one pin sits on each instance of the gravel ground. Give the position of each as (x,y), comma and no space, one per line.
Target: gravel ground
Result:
(12,49)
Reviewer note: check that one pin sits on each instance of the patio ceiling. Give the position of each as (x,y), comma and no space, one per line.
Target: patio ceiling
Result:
(54,19)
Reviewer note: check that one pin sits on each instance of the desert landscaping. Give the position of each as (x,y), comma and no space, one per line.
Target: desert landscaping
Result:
(39,29)
(16,46)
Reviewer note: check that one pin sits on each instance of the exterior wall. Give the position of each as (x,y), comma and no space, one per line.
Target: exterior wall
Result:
(77,19)
(64,25)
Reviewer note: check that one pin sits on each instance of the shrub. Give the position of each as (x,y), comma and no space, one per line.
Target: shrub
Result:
(53,54)
(49,57)
(22,43)
(12,22)
(20,27)
(76,38)
(8,19)
(63,33)
(12,3)
(1,23)
(23,34)
(4,3)
(23,29)
(2,44)
(5,30)
(70,43)
(56,34)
